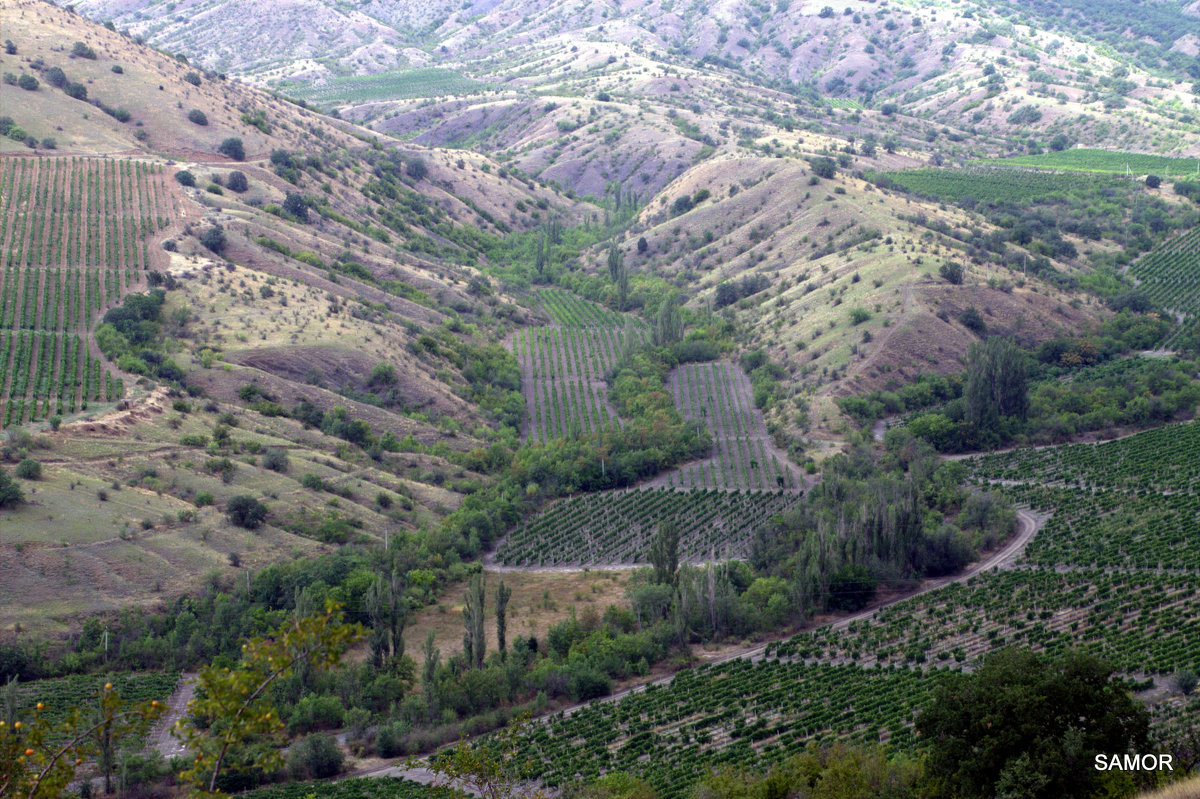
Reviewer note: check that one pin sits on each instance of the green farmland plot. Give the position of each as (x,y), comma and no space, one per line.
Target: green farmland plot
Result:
(73,239)
(989,184)
(399,85)
(617,527)
(1170,276)
(719,396)
(733,715)
(564,364)
(1087,160)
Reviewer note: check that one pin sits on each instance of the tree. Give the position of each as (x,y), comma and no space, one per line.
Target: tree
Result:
(416,168)
(1030,723)
(642,244)
(56,77)
(503,594)
(214,239)
(432,658)
(233,148)
(388,610)
(233,723)
(1152,181)
(29,469)
(668,326)
(317,757)
(824,167)
(474,642)
(75,90)
(296,205)
(81,50)
(29,83)
(664,553)
(237,181)
(490,768)
(245,511)
(951,272)
(38,758)
(197,117)
(973,320)
(996,385)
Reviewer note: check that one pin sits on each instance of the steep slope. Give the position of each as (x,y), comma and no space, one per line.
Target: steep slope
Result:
(324,342)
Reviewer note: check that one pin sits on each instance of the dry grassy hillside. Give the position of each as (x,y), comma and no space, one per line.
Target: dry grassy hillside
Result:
(343,278)
(849,296)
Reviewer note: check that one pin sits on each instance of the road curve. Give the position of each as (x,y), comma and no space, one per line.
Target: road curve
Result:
(1028,525)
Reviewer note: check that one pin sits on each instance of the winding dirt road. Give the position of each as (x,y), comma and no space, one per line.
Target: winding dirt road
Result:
(1028,524)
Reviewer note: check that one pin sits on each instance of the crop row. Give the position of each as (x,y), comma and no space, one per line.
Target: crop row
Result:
(719,396)
(81,690)
(617,526)
(401,84)
(733,715)
(1170,275)
(1087,160)
(572,310)
(1163,459)
(47,374)
(1113,530)
(563,366)
(56,299)
(1141,622)
(994,184)
(80,212)
(354,788)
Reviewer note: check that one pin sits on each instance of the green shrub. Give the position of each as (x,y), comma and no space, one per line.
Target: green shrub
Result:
(29,469)
(245,511)
(197,117)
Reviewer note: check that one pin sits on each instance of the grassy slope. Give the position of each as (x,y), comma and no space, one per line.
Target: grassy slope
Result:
(69,553)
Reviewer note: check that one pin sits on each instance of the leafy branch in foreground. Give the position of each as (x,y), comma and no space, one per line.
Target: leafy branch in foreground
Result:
(232,723)
(39,758)
(490,768)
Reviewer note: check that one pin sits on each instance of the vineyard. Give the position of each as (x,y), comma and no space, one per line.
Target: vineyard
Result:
(81,690)
(563,365)
(1166,459)
(996,184)
(402,85)
(73,238)
(1086,160)
(735,715)
(1115,572)
(719,395)
(354,788)
(1170,277)
(616,527)
(1141,622)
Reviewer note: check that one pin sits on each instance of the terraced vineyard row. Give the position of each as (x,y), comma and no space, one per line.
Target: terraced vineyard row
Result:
(1141,622)
(1082,159)
(1112,529)
(354,788)
(563,365)
(1163,459)
(719,395)
(400,84)
(571,310)
(616,527)
(735,715)
(81,212)
(563,370)
(1170,276)
(57,277)
(81,690)
(995,184)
